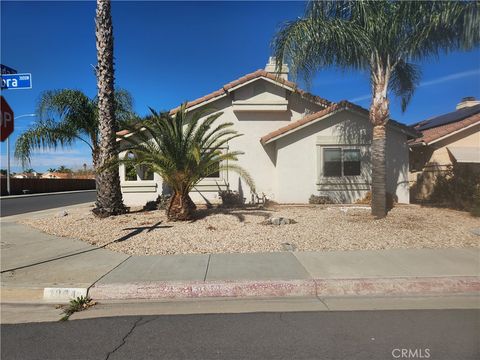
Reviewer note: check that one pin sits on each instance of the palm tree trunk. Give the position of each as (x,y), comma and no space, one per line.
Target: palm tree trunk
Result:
(109,195)
(181,207)
(379,114)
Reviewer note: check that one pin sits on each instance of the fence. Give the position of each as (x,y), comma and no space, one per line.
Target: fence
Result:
(33,186)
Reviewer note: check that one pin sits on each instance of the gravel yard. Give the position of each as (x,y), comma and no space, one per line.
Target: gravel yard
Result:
(318,228)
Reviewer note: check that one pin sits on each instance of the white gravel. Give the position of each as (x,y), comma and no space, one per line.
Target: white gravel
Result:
(318,228)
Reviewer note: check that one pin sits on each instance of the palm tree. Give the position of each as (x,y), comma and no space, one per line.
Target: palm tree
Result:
(64,117)
(382,38)
(182,150)
(109,195)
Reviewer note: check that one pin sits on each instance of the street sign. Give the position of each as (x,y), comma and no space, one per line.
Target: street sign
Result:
(6,114)
(4,69)
(17,81)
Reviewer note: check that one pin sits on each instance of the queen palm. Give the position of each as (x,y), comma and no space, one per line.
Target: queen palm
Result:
(382,38)
(65,117)
(109,195)
(182,149)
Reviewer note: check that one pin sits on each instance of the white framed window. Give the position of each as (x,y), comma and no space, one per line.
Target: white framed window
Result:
(341,162)
(137,173)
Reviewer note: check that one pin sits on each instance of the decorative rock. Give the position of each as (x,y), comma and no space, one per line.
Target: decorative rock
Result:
(475,231)
(289,247)
(280,221)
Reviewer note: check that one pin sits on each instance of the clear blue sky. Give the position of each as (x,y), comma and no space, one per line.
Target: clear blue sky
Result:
(169,52)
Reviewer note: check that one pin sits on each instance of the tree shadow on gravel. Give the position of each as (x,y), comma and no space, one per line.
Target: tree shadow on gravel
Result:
(140,229)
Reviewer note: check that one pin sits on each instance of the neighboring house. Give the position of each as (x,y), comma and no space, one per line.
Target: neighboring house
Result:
(56,175)
(296,144)
(447,139)
(32,175)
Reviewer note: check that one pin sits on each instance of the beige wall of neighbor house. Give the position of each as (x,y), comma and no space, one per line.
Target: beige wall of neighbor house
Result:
(428,161)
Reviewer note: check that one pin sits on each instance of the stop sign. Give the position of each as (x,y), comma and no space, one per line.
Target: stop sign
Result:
(6,113)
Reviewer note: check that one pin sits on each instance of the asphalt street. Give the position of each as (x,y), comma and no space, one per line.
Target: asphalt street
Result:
(413,334)
(19,205)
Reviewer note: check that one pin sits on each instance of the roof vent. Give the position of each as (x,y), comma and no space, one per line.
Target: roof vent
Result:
(467,102)
(271,68)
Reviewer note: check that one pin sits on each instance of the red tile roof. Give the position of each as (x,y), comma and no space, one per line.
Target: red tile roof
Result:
(342,105)
(432,134)
(254,75)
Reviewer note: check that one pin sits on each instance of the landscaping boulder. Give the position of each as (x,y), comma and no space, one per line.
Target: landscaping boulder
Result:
(279,221)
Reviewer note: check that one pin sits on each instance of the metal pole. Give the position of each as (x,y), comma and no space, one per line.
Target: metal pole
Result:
(8,165)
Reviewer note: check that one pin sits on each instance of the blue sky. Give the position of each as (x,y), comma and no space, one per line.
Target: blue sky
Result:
(169,52)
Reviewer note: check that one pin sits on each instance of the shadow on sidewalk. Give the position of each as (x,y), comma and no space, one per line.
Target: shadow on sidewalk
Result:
(136,231)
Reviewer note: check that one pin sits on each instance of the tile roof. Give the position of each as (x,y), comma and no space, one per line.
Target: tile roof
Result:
(342,105)
(435,133)
(254,75)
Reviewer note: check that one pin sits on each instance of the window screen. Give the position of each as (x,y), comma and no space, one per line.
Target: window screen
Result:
(130,171)
(351,162)
(332,162)
(145,173)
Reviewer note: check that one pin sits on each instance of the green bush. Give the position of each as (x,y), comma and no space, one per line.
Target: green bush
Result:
(458,188)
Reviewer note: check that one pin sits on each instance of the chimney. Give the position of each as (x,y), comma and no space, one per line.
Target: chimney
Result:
(467,102)
(271,68)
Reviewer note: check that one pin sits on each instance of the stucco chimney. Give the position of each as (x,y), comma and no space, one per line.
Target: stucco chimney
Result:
(467,102)
(271,68)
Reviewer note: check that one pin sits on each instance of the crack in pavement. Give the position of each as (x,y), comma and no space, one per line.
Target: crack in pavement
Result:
(124,339)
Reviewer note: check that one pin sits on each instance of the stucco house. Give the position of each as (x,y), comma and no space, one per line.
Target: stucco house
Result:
(296,145)
(447,139)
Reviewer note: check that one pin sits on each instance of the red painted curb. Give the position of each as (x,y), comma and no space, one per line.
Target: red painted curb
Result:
(278,288)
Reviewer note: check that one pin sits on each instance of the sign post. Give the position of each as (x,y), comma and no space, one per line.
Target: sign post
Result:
(6,128)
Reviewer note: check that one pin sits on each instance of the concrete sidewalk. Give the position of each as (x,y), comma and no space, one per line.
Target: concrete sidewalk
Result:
(40,267)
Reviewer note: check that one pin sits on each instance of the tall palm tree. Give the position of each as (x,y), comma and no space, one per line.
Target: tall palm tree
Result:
(182,149)
(382,38)
(109,195)
(66,116)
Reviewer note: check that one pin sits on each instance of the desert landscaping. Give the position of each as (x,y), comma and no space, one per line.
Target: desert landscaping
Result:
(315,228)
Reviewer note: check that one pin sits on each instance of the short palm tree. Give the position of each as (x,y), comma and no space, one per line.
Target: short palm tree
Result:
(382,38)
(109,195)
(64,117)
(182,149)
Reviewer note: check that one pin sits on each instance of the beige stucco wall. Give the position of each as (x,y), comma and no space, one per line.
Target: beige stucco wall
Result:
(287,170)
(427,162)
(299,161)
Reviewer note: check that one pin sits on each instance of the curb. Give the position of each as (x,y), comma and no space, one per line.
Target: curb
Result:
(7,197)
(297,288)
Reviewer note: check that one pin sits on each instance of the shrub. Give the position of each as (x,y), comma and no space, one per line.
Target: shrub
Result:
(316,199)
(231,198)
(367,200)
(458,188)
(160,203)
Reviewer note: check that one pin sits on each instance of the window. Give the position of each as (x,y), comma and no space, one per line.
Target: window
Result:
(213,171)
(145,173)
(339,162)
(351,162)
(332,162)
(130,171)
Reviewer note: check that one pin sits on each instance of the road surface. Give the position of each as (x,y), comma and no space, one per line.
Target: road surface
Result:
(356,335)
(19,205)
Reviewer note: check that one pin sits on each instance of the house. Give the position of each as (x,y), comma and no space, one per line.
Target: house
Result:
(447,139)
(57,175)
(296,145)
(29,175)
